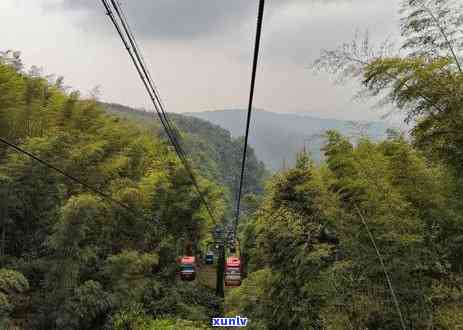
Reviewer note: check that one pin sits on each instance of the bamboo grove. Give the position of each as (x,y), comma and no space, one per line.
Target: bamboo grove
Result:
(310,259)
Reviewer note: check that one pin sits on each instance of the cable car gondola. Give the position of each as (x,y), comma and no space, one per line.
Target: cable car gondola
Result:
(209,259)
(233,271)
(188,268)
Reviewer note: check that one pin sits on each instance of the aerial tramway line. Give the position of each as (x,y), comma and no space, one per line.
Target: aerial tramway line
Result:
(188,263)
(233,265)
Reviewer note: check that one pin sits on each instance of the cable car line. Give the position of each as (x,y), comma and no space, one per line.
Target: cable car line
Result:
(131,46)
(230,271)
(67,175)
(134,54)
(139,69)
(251,96)
(133,49)
(260,16)
(139,65)
(123,19)
(381,260)
(144,75)
(157,99)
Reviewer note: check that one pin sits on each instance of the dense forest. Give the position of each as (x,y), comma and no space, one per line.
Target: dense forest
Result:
(372,238)
(72,259)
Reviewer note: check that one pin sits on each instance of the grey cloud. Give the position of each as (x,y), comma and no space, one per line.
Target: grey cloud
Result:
(201,50)
(183,19)
(299,38)
(294,30)
(170,19)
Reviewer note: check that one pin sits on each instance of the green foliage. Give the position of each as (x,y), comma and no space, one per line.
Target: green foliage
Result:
(131,317)
(307,243)
(289,250)
(177,324)
(12,285)
(129,274)
(409,194)
(432,28)
(426,85)
(252,298)
(313,265)
(134,319)
(420,188)
(212,150)
(86,308)
(277,137)
(89,261)
(12,281)
(192,302)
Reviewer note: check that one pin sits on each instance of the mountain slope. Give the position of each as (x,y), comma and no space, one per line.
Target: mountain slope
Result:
(277,137)
(213,151)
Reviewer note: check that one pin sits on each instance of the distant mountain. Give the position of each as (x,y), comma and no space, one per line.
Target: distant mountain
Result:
(277,137)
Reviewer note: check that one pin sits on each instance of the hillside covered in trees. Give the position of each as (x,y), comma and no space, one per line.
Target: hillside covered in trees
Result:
(215,153)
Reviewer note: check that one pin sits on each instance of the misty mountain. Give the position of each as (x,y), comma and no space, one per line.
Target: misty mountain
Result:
(277,137)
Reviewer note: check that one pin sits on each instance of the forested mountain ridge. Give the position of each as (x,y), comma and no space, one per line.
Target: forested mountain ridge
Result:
(71,258)
(214,151)
(278,137)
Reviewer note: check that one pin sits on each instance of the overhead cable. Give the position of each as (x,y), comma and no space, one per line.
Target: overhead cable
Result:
(67,175)
(128,39)
(260,17)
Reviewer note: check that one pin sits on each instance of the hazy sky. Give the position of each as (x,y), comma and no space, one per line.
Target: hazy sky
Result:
(199,51)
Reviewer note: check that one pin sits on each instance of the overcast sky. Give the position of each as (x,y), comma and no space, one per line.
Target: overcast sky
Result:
(199,51)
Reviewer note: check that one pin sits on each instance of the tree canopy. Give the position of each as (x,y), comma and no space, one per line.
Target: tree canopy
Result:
(72,258)
(372,238)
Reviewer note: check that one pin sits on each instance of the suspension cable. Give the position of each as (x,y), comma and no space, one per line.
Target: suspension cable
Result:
(67,175)
(260,16)
(383,266)
(128,39)
(150,87)
(136,49)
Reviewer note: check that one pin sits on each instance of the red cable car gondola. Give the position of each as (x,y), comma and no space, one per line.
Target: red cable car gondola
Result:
(233,271)
(188,268)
